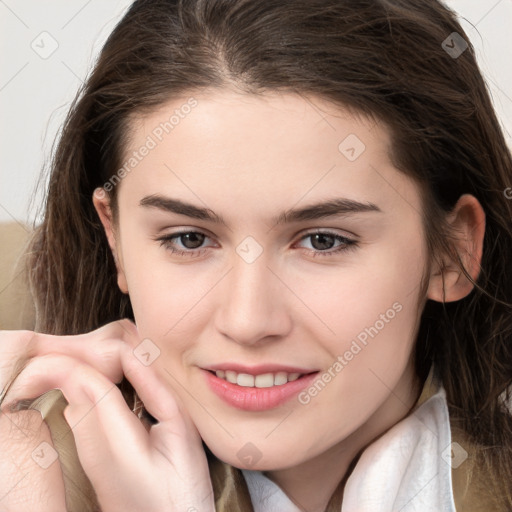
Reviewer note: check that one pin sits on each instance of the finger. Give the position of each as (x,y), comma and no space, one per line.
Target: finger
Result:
(41,374)
(110,440)
(157,396)
(88,393)
(13,345)
(99,348)
(162,402)
(104,427)
(97,415)
(81,385)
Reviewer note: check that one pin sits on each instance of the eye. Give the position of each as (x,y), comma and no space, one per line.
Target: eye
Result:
(191,242)
(323,243)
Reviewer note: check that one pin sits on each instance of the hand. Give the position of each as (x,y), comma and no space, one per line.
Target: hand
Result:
(27,482)
(130,468)
(99,348)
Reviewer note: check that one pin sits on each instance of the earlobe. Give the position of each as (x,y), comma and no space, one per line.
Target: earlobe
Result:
(447,281)
(102,205)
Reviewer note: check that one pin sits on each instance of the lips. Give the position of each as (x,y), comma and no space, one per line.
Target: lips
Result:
(250,396)
(260,376)
(259,369)
(262,380)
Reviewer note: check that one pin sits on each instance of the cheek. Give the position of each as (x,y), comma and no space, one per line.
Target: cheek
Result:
(370,284)
(369,316)
(154,302)
(169,300)
(373,310)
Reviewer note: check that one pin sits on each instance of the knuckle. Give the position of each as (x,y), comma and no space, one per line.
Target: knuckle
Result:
(54,359)
(85,375)
(52,366)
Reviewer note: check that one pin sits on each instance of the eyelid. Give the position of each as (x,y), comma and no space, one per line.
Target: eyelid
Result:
(167,237)
(300,236)
(347,242)
(330,231)
(182,230)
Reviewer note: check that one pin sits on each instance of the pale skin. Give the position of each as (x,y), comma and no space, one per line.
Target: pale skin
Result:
(248,159)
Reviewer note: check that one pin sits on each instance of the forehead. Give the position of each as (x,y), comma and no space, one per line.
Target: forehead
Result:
(283,120)
(285,147)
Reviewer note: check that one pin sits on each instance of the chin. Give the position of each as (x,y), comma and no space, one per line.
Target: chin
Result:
(250,458)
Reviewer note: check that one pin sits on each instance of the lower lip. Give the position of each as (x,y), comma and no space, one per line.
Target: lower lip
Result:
(257,399)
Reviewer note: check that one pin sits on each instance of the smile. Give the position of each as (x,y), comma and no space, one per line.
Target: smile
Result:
(258,392)
(264,380)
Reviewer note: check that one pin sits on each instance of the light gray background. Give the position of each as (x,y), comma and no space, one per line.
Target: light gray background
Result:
(36,88)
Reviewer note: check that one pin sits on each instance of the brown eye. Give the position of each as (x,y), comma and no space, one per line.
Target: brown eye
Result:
(185,243)
(191,240)
(322,241)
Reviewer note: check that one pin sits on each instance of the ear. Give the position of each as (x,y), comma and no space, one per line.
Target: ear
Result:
(447,281)
(101,203)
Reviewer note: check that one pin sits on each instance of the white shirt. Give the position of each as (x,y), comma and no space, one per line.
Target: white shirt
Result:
(408,469)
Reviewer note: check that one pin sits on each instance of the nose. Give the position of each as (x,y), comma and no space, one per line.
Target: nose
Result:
(253,304)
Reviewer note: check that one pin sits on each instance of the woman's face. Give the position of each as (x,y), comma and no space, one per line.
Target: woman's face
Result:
(305,253)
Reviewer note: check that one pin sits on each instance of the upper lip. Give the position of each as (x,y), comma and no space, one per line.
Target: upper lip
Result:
(258,369)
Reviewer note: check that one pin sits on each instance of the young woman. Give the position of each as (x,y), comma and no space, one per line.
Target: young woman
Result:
(279,233)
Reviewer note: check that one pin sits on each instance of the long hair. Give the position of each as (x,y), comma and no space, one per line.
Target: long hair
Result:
(387,59)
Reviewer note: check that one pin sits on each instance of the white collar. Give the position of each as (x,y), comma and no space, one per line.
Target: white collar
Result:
(407,469)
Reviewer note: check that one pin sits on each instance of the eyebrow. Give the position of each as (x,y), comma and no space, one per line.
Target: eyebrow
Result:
(329,208)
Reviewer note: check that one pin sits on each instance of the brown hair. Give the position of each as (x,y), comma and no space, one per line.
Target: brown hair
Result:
(382,58)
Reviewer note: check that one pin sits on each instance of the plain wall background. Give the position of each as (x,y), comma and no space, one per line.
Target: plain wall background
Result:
(48,47)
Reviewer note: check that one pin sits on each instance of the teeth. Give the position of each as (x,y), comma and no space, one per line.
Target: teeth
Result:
(280,378)
(265,380)
(246,380)
(231,376)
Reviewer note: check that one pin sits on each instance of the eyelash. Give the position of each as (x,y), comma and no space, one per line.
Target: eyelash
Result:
(347,244)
